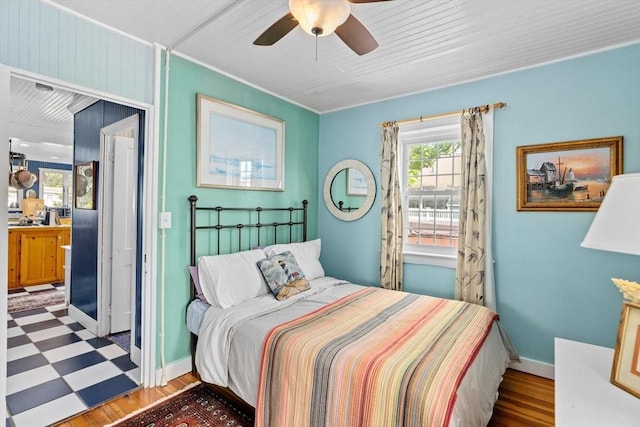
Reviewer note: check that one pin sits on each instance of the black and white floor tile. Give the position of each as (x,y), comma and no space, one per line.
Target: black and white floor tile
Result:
(56,368)
(35,289)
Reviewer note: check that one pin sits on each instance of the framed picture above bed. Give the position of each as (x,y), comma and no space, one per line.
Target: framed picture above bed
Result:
(237,147)
(567,176)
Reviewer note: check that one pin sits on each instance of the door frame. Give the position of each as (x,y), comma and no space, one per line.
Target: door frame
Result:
(148,377)
(106,217)
(5,90)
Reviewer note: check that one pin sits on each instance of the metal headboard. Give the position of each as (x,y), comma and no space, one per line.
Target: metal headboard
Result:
(217,223)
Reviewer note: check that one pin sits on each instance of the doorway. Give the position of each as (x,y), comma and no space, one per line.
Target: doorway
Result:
(118,230)
(144,235)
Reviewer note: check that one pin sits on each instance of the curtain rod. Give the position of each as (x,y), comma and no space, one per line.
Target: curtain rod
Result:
(483,109)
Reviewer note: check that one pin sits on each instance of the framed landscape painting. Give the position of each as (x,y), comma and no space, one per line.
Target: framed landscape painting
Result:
(567,176)
(238,148)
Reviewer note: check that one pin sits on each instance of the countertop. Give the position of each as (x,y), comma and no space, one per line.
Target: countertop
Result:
(35,227)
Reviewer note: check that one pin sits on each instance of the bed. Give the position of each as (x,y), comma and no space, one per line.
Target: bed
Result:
(303,348)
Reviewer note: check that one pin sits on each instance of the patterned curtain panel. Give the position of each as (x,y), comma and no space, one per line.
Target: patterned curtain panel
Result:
(470,270)
(391,218)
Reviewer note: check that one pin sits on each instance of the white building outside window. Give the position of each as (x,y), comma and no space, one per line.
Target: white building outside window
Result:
(430,175)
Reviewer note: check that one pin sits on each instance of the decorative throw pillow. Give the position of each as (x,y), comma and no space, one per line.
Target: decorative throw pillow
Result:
(283,275)
(307,255)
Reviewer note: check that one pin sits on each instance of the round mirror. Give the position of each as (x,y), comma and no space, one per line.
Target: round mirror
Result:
(349,190)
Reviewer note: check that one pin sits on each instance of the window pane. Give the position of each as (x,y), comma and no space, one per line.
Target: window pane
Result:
(52,189)
(55,186)
(14,198)
(431,173)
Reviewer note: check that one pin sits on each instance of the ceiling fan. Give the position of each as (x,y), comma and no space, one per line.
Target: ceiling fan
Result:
(321,18)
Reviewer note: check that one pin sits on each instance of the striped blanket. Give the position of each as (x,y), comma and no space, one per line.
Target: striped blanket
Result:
(374,358)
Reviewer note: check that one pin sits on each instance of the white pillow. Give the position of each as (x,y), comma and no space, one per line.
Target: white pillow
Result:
(227,280)
(305,253)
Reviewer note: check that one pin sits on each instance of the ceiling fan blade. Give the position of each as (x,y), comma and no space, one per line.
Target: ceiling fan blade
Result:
(278,30)
(356,36)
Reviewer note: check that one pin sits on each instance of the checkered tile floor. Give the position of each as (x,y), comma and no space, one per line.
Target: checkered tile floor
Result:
(56,368)
(32,290)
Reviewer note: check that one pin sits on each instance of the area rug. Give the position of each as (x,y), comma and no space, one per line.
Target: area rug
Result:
(35,300)
(121,339)
(195,406)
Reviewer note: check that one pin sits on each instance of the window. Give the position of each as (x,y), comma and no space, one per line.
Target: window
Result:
(55,185)
(430,175)
(15,198)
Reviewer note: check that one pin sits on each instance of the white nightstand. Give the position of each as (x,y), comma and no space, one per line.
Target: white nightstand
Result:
(584,396)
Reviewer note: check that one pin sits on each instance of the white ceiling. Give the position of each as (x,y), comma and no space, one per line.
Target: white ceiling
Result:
(40,125)
(423,45)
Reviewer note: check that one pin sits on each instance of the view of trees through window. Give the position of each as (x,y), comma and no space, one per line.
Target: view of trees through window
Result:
(433,177)
(54,187)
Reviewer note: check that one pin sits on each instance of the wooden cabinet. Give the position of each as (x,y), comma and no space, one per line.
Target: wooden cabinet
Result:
(14,259)
(36,255)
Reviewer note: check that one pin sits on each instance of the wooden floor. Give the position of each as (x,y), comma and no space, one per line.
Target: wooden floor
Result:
(525,401)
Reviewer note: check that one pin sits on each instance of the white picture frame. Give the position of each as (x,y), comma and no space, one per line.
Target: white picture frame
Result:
(356,183)
(238,148)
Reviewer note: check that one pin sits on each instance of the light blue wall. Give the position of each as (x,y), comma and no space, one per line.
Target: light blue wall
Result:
(547,285)
(301,175)
(43,39)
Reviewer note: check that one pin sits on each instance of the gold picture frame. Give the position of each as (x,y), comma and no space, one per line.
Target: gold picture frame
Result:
(567,176)
(626,358)
(84,188)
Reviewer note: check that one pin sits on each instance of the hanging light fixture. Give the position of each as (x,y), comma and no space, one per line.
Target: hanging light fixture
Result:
(320,17)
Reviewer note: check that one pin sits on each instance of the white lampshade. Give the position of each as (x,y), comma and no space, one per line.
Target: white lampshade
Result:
(616,226)
(324,14)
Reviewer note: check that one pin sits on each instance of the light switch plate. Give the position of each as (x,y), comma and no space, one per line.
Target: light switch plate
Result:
(165,220)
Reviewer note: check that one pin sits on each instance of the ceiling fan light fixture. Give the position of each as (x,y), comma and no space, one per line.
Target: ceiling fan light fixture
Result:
(320,17)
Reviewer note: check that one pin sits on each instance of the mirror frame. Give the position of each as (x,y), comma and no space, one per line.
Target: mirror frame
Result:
(368,200)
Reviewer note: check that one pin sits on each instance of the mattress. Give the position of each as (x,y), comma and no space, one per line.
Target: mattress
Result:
(231,340)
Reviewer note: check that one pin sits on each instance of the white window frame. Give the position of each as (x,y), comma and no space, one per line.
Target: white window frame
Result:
(18,198)
(434,130)
(66,184)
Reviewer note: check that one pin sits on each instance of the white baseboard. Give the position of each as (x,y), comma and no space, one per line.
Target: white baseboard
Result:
(85,320)
(136,355)
(174,370)
(535,367)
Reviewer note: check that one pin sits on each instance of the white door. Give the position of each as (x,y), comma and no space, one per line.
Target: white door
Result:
(123,234)
(118,225)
